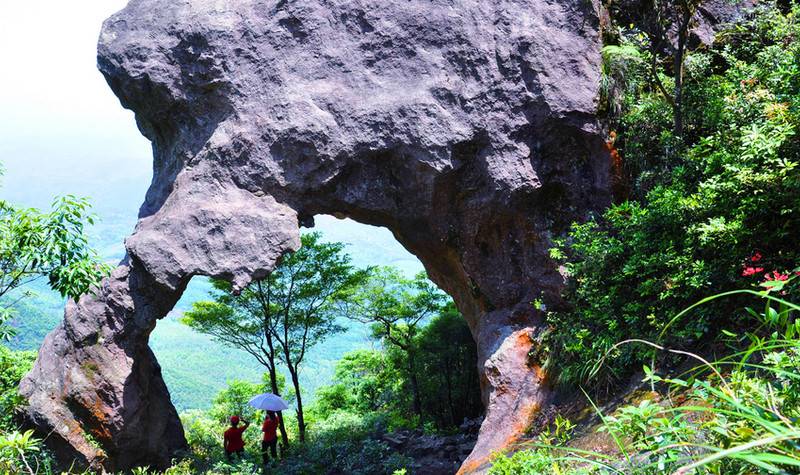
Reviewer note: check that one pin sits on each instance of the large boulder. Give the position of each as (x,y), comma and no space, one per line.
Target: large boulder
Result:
(466,127)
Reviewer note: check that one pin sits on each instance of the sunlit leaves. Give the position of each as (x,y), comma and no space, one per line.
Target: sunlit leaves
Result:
(52,244)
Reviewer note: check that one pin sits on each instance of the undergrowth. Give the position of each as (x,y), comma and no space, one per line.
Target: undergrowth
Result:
(737,415)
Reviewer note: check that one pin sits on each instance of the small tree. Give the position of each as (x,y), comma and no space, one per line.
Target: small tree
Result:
(233,401)
(309,288)
(245,322)
(278,318)
(397,307)
(447,363)
(35,244)
(667,25)
(364,381)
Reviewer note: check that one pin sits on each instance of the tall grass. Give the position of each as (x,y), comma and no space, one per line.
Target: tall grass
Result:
(736,415)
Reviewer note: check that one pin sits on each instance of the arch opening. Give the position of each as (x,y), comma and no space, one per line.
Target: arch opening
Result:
(208,376)
(173,342)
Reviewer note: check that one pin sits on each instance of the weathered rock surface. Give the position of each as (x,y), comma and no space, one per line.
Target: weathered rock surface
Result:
(466,127)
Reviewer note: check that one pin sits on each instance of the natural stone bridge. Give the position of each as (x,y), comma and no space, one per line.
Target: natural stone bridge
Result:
(466,127)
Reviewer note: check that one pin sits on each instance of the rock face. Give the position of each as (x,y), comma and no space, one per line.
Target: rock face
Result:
(466,127)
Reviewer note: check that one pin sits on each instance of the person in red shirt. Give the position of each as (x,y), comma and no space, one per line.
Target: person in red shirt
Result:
(233,441)
(270,430)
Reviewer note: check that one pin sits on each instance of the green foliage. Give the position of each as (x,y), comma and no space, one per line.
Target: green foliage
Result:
(737,415)
(448,374)
(52,244)
(344,442)
(36,244)
(203,434)
(279,318)
(719,213)
(232,401)
(364,381)
(14,365)
(18,452)
(195,367)
(427,367)
(540,461)
(397,307)
(36,311)
(622,67)
(379,382)
(717,210)
(563,428)
(310,286)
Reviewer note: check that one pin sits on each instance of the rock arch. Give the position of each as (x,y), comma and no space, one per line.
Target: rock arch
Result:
(466,127)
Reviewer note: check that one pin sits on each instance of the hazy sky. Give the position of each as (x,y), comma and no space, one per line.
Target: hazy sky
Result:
(61,128)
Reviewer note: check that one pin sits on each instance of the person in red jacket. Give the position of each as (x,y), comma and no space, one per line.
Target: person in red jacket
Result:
(270,430)
(233,441)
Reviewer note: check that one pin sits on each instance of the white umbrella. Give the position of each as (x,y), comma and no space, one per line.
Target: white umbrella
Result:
(269,402)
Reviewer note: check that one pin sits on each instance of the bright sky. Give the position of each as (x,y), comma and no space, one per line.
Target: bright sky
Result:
(60,125)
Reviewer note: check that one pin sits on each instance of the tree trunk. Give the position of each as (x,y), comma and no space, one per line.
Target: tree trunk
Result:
(449,382)
(412,376)
(273,381)
(301,422)
(273,374)
(680,52)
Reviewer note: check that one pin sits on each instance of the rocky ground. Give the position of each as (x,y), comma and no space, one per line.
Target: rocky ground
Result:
(435,454)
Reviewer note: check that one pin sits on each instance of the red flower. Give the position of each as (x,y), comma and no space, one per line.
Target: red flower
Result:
(756,257)
(777,276)
(748,271)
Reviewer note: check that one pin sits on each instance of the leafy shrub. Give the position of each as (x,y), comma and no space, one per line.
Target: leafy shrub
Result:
(718,213)
(538,461)
(13,367)
(364,380)
(367,381)
(21,452)
(737,415)
(232,401)
(341,442)
(344,442)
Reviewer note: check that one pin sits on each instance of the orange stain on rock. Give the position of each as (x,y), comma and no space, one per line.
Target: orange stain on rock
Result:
(524,339)
(618,182)
(522,343)
(523,423)
(520,427)
(472,466)
(541,374)
(100,430)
